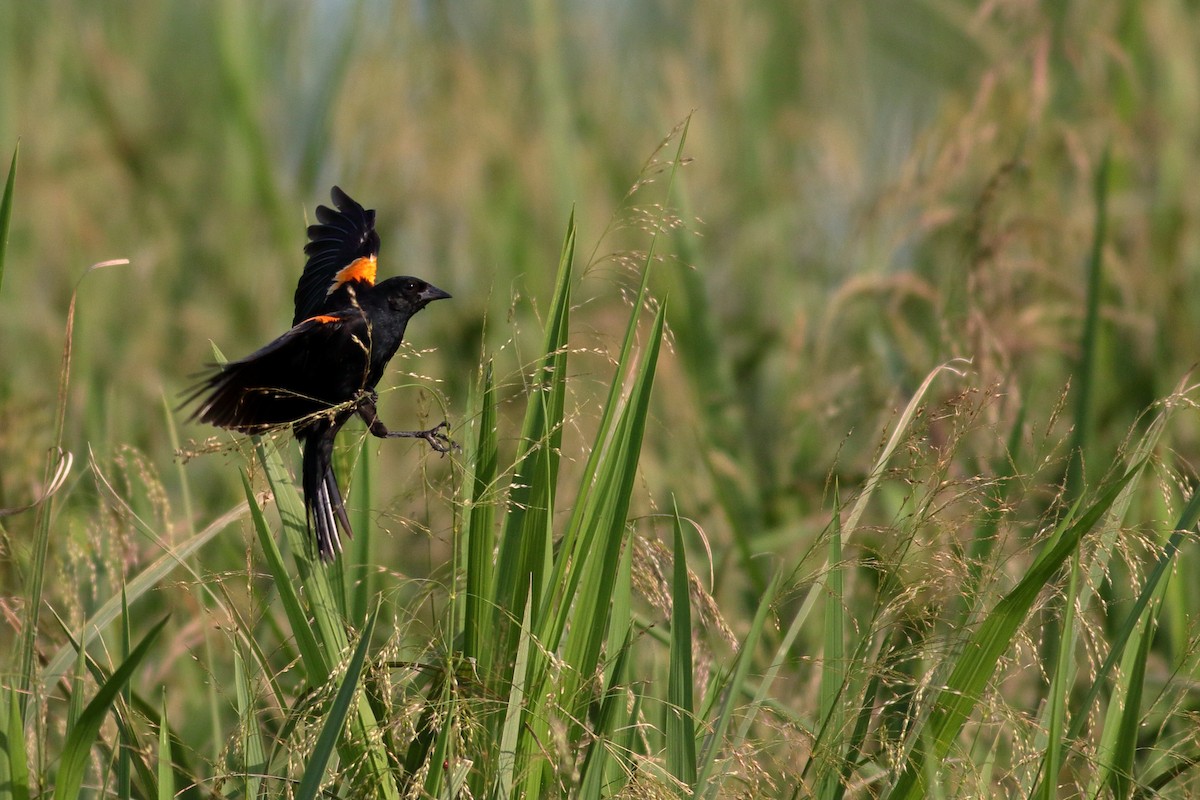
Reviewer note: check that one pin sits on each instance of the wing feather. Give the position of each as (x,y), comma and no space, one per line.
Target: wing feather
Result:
(342,247)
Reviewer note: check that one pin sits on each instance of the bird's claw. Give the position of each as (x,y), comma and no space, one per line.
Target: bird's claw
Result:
(440,441)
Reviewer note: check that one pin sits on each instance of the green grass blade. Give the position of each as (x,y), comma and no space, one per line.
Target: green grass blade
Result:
(323,602)
(360,551)
(253,751)
(833,668)
(605,747)
(364,746)
(1187,522)
(314,771)
(708,785)
(166,774)
(435,775)
(977,661)
(1056,702)
(605,512)
(316,665)
(79,742)
(480,524)
(146,581)
(14,764)
(531,496)
(510,746)
(6,207)
(680,728)
(1115,753)
(75,706)
(1124,753)
(124,777)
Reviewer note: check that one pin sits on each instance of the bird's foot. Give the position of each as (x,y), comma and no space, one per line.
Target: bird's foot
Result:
(438,440)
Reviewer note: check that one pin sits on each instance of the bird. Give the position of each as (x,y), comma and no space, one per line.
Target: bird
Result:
(324,370)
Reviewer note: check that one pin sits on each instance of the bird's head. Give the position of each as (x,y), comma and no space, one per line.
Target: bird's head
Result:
(406,293)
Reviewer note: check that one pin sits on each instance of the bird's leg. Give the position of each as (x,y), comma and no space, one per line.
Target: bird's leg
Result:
(438,440)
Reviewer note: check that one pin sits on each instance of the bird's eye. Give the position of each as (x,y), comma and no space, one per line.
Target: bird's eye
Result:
(413,286)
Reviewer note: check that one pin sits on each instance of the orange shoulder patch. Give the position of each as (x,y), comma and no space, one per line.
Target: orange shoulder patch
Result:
(324,318)
(360,269)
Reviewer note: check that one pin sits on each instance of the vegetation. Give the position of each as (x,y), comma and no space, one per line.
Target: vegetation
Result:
(823,376)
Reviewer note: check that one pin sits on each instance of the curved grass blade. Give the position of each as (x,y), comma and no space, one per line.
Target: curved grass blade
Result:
(83,736)
(146,581)
(977,661)
(707,784)
(310,783)
(315,664)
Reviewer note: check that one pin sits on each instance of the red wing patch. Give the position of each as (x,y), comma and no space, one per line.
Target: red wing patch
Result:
(360,269)
(324,318)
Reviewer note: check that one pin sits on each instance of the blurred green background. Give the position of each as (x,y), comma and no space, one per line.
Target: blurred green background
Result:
(873,188)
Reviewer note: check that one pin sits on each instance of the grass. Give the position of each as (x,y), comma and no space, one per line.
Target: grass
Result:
(842,447)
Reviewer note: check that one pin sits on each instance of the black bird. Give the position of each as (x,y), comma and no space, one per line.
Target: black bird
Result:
(325,369)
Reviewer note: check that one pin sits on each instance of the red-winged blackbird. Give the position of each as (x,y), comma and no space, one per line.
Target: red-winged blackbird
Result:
(324,370)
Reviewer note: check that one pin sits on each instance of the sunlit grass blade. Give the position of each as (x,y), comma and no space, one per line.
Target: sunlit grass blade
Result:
(14,763)
(83,735)
(974,666)
(679,726)
(509,766)
(331,731)
(166,775)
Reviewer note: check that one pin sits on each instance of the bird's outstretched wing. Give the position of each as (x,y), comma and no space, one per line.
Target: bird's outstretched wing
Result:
(342,249)
(318,364)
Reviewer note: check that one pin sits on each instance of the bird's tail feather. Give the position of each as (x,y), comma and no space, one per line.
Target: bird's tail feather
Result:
(326,511)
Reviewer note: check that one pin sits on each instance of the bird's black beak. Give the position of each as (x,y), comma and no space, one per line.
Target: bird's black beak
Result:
(432,293)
